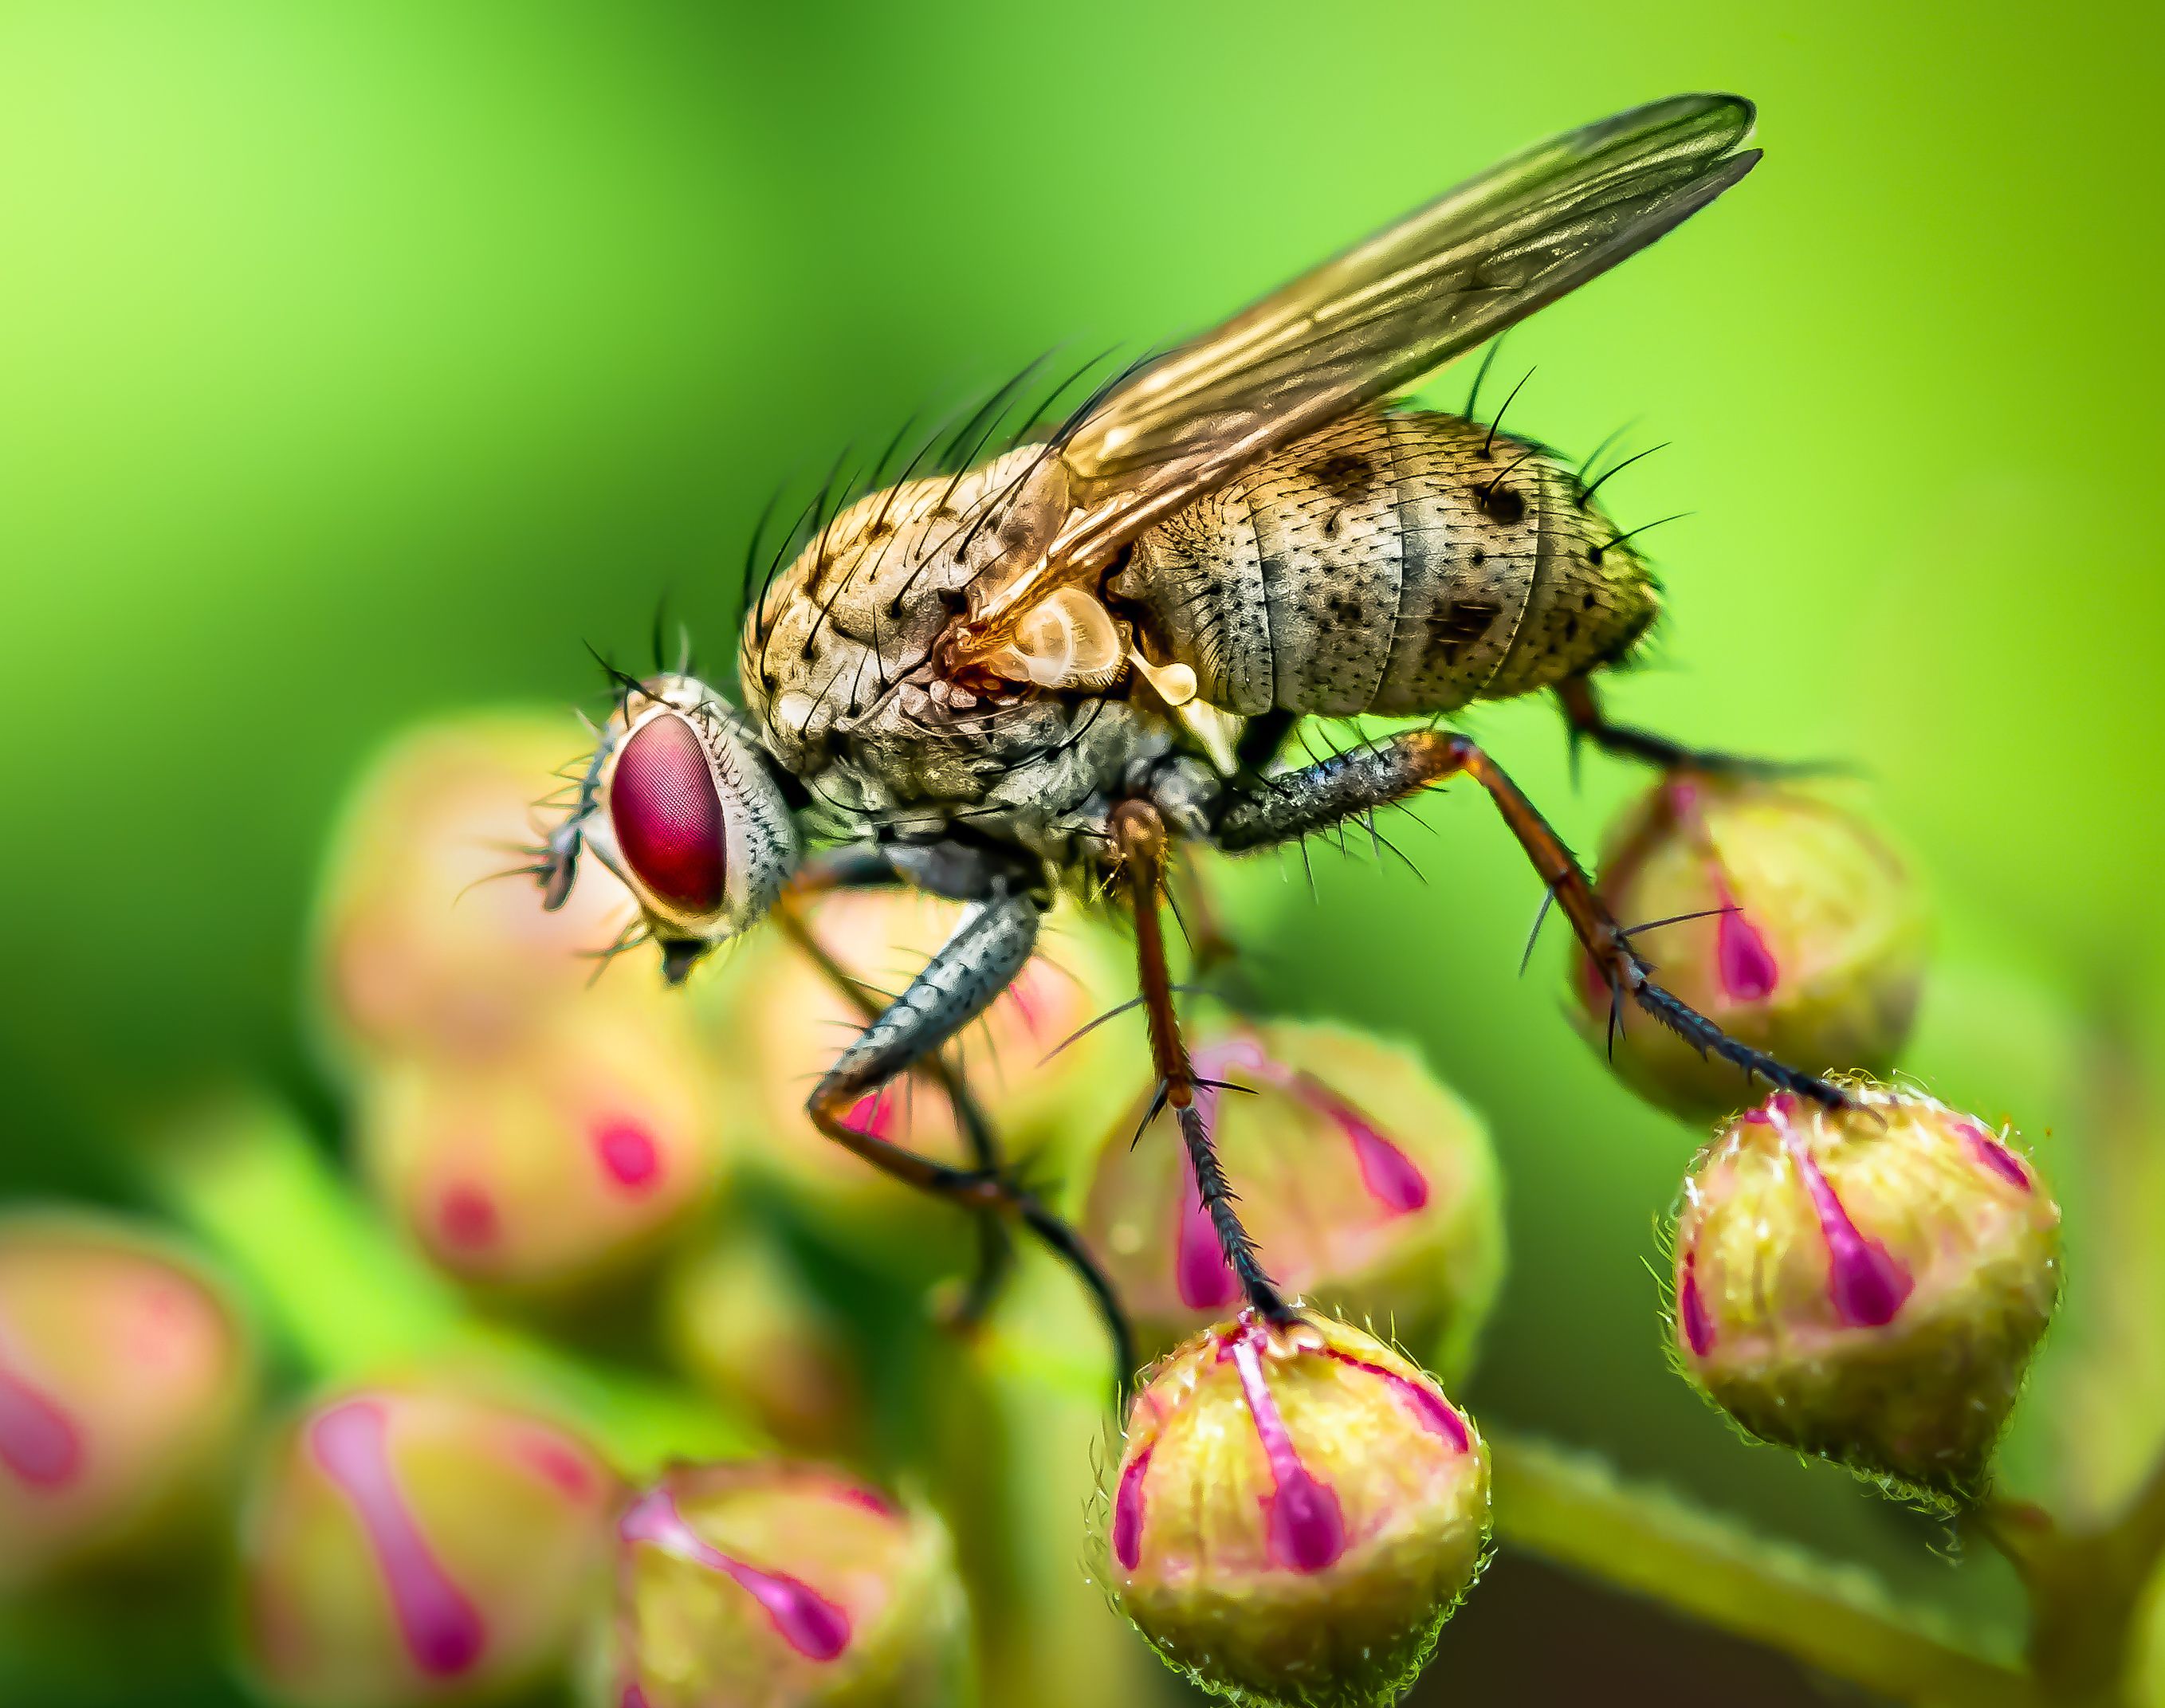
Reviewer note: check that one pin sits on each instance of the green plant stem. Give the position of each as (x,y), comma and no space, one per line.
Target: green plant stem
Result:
(1572,1509)
(335,1287)
(2087,1585)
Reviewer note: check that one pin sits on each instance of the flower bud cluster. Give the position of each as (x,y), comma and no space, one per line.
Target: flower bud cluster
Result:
(1866,1284)
(532,1128)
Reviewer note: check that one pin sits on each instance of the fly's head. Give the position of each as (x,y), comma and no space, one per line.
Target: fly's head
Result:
(681,804)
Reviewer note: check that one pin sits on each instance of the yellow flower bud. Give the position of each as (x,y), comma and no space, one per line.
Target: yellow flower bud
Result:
(1295,1512)
(1866,1284)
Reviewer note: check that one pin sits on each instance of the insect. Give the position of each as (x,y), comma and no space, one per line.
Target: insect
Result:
(1036,679)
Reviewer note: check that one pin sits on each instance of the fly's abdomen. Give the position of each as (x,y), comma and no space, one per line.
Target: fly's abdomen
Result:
(1404,562)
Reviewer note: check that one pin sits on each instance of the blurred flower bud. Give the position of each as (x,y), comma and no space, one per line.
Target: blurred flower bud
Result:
(421,945)
(772,1585)
(125,1380)
(782,1024)
(1370,1184)
(570,1159)
(1866,1285)
(1782,919)
(1296,1512)
(408,1547)
(739,1317)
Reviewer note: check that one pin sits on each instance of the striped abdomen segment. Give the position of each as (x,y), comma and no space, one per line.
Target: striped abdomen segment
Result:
(1395,563)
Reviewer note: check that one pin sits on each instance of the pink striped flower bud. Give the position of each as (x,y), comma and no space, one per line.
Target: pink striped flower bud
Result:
(1371,1186)
(420,947)
(1295,1512)
(564,1163)
(409,1546)
(125,1380)
(1866,1284)
(783,1585)
(1791,926)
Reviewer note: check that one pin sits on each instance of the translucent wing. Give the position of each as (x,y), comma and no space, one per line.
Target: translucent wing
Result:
(1357,328)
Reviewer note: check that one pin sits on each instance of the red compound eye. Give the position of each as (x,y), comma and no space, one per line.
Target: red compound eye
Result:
(668,817)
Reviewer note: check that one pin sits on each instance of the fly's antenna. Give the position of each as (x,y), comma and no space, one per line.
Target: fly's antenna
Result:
(1628,533)
(1500,414)
(1586,493)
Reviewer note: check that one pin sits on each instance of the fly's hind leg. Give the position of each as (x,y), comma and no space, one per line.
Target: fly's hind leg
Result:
(1291,806)
(1588,722)
(987,948)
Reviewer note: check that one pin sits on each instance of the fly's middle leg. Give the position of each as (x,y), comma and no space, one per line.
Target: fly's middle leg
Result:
(987,948)
(1141,844)
(1287,807)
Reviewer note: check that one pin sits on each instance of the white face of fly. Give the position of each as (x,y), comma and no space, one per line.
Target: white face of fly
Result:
(687,814)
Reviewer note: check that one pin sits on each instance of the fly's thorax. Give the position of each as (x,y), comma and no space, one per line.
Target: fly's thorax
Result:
(855,619)
(1394,562)
(840,670)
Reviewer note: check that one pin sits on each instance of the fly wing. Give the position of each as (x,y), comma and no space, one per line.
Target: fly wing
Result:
(1373,319)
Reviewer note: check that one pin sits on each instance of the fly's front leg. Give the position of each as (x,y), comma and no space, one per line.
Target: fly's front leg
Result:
(861,866)
(1291,806)
(1582,713)
(1139,840)
(973,967)
(558,865)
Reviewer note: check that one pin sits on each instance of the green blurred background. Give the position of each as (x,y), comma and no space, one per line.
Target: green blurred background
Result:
(363,360)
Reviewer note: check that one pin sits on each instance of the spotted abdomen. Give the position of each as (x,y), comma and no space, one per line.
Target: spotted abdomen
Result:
(1401,562)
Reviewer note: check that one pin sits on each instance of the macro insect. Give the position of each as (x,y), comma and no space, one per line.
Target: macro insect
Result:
(1037,678)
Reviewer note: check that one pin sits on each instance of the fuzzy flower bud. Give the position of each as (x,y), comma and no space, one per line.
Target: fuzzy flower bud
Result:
(1784,920)
(420,945)
(780,1023)
(410,1547)
(1371,1185)
(125,1380)
(773,1585)
(565,1162)
(1866,1284)
(1295,1513)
